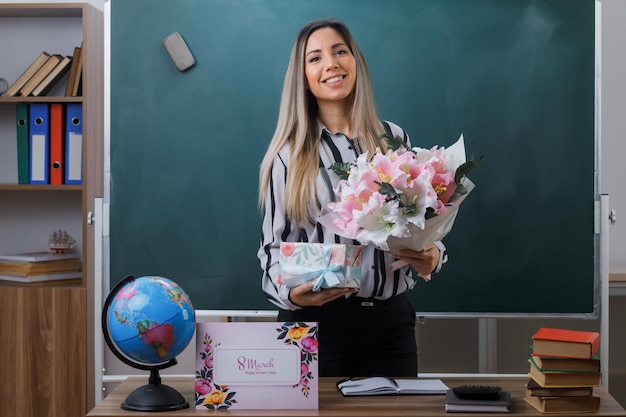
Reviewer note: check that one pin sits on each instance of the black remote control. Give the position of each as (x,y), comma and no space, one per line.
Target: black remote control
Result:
(477,392)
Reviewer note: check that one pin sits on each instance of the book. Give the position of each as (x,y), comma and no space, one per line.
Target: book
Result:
(565,343)
(564,379)
(37,268)
(564,404)
(548,363)
(77,81)
(38,256)
(391,386)
(454,404)
(53,77)
(41,73)
(534,389)
(73,68)
(27,74)
(56,276)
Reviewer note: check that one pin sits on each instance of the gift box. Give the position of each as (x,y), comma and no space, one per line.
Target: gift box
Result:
(329,265)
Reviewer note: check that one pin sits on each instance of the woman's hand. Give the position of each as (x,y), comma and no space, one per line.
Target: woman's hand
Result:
(303,295)
(424,261)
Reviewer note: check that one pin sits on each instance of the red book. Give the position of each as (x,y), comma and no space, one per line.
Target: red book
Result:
(565,343)
(56,143)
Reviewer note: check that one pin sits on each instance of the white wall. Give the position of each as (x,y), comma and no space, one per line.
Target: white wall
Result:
(613,126)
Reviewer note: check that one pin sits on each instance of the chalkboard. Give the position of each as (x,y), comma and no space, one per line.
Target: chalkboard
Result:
(516,77)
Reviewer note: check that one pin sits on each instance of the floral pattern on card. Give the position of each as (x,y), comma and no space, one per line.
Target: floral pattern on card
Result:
(239,366)
(304,337)
(207,392)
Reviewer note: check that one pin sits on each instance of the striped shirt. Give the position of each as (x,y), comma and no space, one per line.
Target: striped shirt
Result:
(378,280)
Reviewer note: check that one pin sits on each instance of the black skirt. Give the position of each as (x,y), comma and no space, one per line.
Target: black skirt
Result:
(360,337)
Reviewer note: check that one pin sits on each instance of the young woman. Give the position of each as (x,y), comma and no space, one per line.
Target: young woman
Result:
(327,114)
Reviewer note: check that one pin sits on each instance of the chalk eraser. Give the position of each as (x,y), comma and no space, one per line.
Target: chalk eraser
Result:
(179,52)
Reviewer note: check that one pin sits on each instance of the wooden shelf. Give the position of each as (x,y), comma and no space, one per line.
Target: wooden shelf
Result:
(26,187)
(41,10)
(42,99)
(73,283)
(49,354)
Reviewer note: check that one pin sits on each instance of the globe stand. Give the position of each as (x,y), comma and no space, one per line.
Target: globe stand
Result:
(155,396)
(151,397)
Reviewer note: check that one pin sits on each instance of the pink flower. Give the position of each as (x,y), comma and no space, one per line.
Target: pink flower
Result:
(287,249)
(446,192)
(309,344)
(203,387)
(391,194)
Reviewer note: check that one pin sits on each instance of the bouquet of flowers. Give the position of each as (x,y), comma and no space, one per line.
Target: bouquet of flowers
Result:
(404,198)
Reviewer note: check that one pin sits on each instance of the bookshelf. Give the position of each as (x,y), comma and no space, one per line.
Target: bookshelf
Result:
(47,351)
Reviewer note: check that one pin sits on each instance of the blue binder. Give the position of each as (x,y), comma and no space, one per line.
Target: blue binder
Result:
(74,143)
(39,142)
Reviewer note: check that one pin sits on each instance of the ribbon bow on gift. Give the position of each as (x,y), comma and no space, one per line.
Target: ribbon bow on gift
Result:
(326,277)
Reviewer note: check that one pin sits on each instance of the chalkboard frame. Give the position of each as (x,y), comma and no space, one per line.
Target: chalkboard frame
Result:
(387,107)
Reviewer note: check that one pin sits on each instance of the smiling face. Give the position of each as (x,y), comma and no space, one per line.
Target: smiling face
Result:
(329,65)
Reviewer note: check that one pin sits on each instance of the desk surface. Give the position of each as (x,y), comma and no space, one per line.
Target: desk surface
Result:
(332,403)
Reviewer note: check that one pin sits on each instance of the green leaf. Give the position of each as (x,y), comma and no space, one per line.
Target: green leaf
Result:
(394,143)
(342,169)
(466,167)
(461,172)
(387,189)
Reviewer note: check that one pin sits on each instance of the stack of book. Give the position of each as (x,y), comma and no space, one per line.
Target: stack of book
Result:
(40,267)
(45,72)
(564,369)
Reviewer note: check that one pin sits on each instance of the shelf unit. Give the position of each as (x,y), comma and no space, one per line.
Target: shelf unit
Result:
(47,354)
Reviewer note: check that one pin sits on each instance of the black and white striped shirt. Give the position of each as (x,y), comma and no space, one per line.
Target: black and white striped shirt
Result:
(378,280)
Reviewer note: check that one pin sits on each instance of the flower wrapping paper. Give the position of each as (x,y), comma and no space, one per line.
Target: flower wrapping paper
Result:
(327,264)
(435,228)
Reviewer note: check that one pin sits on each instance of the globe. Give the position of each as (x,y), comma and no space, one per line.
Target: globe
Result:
(147,322)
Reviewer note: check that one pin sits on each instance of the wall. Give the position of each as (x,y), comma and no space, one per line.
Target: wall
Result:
(613,106)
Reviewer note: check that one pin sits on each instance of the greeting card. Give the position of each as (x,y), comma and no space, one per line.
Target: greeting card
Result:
(271,365)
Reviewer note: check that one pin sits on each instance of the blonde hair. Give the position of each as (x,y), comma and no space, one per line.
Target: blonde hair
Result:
(297,125)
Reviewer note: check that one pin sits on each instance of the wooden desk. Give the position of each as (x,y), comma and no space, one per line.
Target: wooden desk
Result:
(333,404)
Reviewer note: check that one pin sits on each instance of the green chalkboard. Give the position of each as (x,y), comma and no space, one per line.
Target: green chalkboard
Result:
(516,77)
